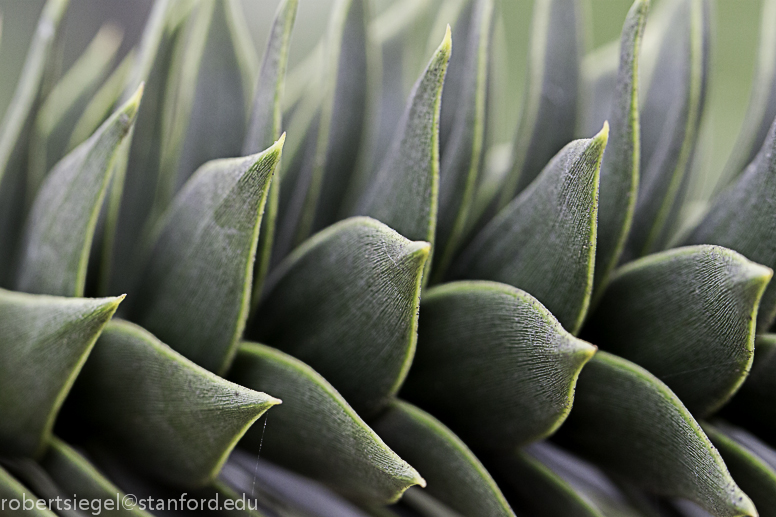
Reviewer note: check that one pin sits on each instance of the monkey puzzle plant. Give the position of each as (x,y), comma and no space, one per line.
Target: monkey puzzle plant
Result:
(435,322)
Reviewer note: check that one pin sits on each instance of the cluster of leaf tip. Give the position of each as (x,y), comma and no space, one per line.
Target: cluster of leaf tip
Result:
(425,297)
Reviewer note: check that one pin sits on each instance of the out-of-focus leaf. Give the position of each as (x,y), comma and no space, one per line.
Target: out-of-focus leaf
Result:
(11,489)
(195,291)
(755,403)
(752,464)
(762,99)
(512,372)
(549,113)
(32,475)
(454,475)
(422,504)
(544,241)
(620,165)
(599,72)
(264,128)
(56,114)
(44,341)
(160,412)
(633,426)
(299,496)
(102,102)
(14,132)
(62,221)
(669,121)
(226,71)
(356,287)
(403,191)
(75,475)
(742,218)
(343,116)
(687,315)
(316,433)
(463,148)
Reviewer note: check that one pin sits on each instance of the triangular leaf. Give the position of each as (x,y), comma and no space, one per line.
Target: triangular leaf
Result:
(463,147)
(59,230)
(550,105)
(742,217)
(544,241)
(356,286)
(170,418)
(403,191)
(751,463)
(492,364)
(620,165)
(264,128)
(454,475)
(632,425)
(687,315)
(210,231)
(316,432)
(11,490)
(670,118)
(44,341)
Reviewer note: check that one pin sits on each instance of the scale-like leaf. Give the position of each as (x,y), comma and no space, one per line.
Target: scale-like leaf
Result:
(316,432)
(264,128)
(549,114)
(403,191)
(620,165)
(512,372)
(632,425)
(752,464)
(686,315)
(755,403)
(762,100)
(669,121)
(356,287)
(195,291)
(160,412)
(343,116)
(742,218)
(544,241)
(14,133)
(463,147)
(75,475)
(59,110)
(61,225)
(454,475)
(44,341)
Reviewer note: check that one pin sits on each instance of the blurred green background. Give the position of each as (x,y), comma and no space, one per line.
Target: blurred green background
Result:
(736,35)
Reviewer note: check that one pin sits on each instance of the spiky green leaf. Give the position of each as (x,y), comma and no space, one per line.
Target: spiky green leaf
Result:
(60,228)
(454,475)
(316,432)
(158,411)
(44,341)
(356,287)
(632,425)
(195,291)
(512,372)
(686,315)
(544,241)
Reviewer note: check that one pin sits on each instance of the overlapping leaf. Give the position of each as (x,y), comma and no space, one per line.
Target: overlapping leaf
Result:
(62,221)
(316,432)
(755,403)
(544,241)
(195,291)
(356,286)
(264,129)
(687,315)
(403,191)
(44,341)
(170,418)
(742,218)
(669,120)
(632,425)
(454,475)
(12,490)
(512,372)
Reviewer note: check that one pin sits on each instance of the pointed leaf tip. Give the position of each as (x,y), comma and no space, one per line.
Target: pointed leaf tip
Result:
(603,135)
(447,41)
